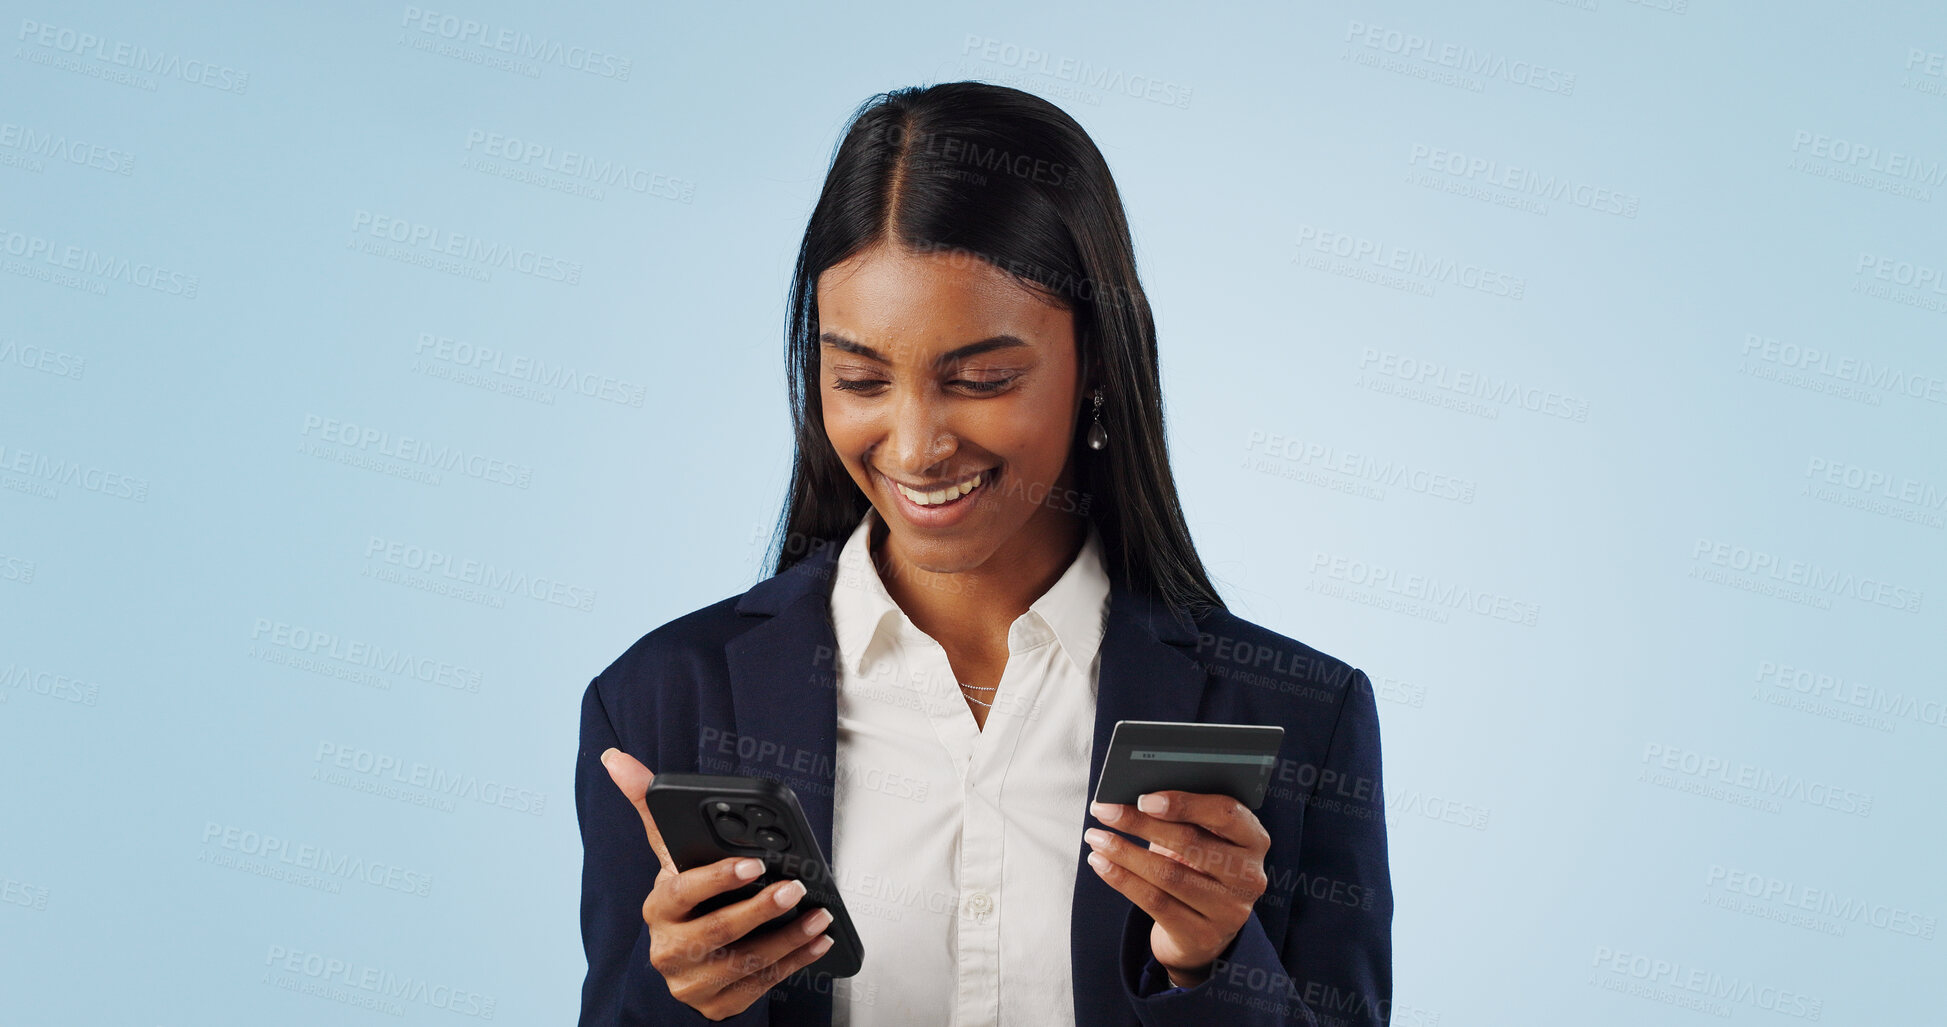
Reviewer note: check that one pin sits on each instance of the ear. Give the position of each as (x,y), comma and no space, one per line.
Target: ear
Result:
(1084,399)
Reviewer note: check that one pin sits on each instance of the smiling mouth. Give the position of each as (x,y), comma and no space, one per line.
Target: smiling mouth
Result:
(946,496)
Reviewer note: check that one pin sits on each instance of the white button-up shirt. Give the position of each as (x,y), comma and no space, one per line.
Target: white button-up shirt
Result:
(956,846)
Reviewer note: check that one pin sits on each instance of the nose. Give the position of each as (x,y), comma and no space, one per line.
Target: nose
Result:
(918,436)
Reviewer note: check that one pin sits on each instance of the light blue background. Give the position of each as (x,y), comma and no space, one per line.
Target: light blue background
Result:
(153,728)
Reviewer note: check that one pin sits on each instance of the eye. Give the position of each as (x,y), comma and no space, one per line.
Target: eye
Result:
(983,387)
(856,384)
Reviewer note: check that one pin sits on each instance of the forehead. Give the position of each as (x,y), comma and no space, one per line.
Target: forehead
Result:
(942,298)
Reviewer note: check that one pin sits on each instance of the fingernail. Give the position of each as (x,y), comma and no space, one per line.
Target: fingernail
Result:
(818,921)
(749,868)
(1099,862)
(1152,803)
(1096,838)
(606,753)
(1106,812)
(789,895)
(818,947)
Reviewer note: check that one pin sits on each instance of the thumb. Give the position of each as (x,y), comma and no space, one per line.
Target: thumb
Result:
(634,779)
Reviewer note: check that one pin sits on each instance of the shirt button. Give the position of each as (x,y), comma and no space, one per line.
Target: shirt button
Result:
(980,904)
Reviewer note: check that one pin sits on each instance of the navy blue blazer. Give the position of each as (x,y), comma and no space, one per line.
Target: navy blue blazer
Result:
(748,686)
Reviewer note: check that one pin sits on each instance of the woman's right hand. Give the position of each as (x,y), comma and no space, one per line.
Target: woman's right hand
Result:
(704,959)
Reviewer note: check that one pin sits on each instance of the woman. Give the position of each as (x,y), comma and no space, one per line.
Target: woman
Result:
(981,567)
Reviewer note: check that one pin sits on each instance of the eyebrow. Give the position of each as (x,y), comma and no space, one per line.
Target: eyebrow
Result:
(970,349)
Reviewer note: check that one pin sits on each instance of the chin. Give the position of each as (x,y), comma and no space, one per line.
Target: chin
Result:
(936,555)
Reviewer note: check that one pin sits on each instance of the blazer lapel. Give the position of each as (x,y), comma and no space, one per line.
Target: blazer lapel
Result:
(784,687)
(1144,675)
(784,712)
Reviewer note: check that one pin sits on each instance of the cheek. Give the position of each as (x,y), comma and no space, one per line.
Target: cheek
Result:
(1031,434)
(842,428)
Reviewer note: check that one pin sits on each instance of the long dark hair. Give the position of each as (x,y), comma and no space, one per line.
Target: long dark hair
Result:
(1003,176)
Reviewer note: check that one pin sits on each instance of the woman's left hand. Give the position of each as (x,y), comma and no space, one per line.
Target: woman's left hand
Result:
(1198,879)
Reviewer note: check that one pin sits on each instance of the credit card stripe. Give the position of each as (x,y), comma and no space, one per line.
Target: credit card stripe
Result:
(1248,759)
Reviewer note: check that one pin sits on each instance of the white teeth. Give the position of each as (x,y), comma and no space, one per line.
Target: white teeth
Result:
(937,497)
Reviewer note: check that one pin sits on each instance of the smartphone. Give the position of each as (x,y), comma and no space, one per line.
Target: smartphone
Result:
(704,818)
(1166,755)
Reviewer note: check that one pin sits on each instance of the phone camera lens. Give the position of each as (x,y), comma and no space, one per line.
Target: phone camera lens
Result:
(730,826)
(771,838)
(760,816)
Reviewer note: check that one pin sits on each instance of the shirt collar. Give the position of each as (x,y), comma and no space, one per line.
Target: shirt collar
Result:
(860,604)
(1075,608)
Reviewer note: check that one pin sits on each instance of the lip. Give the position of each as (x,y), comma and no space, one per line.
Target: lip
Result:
(941,516)
(945,484)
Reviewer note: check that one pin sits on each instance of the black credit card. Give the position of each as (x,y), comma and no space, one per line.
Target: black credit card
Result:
(1162,755)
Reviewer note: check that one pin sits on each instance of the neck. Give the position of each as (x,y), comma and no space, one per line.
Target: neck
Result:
(975,607)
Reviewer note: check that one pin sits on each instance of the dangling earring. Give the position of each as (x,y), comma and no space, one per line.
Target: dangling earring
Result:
(1098,436)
